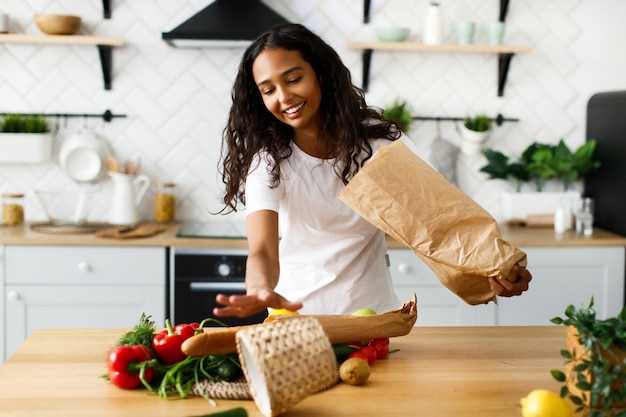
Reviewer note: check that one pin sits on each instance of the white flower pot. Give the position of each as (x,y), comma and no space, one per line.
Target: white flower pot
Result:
(518,206)
(25,147)
(472,141)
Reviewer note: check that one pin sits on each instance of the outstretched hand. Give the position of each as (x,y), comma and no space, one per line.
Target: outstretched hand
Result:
(505,288)
(250,304)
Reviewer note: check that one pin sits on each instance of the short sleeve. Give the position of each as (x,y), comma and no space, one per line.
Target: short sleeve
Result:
(259,194)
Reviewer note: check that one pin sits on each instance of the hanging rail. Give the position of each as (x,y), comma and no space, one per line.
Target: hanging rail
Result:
(107,116)
(499,119)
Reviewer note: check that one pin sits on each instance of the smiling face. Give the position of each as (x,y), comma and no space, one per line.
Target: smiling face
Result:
(290,89)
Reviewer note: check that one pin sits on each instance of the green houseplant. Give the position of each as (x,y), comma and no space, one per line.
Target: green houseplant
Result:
(541,162)
(17,123)
(25,138)
(478,123)
(399,113)
(474,133)
(595,359)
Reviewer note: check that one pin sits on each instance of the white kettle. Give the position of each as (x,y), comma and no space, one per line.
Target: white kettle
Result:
(128,191)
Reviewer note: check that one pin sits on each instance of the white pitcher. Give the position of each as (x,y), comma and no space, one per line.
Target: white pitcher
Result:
(128,191)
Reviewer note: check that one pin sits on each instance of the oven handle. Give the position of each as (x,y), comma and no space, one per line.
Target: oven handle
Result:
(217,286)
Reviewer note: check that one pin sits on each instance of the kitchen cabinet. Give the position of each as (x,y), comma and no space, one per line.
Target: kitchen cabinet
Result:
(561,276)
(105,47)
(80,287)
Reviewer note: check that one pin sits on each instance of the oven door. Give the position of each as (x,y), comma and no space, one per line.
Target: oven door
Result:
(199,275)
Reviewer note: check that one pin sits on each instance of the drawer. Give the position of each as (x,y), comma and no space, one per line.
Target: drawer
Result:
(408,269)
(85,265)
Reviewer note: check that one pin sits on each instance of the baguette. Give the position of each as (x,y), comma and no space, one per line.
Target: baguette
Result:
(213,341)
(338,328)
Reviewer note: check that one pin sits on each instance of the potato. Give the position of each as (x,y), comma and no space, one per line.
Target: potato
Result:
(354,371)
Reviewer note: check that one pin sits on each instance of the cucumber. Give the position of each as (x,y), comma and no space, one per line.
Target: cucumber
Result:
(342,351)
(233,412)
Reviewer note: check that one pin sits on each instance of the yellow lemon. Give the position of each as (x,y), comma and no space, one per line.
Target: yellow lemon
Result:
(544,403)
(280,312)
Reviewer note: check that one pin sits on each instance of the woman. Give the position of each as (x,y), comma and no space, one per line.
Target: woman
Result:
(298,130)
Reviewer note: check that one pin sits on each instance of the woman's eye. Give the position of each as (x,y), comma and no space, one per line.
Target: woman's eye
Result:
(267,91)
(295,80)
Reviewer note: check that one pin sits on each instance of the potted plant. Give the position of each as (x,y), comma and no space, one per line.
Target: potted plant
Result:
(474,133)
(595,362)
(399,113)
(539,164)
(25,139)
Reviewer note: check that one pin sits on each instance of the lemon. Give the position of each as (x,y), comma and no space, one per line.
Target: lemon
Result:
(544,403)
(280,312)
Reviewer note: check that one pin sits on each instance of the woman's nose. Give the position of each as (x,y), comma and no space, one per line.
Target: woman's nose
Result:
(284,95)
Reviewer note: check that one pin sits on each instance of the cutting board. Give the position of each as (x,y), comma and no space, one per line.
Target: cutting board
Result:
(131,232)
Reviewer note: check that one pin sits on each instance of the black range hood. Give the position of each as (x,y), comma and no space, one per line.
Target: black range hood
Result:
(224,23)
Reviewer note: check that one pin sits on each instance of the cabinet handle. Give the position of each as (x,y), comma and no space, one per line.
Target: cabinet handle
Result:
(404,268)
(84,267)
(13,295)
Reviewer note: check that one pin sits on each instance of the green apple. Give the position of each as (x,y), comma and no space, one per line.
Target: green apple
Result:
(364,312)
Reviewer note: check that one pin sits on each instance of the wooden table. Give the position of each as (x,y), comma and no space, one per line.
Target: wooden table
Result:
(438,371)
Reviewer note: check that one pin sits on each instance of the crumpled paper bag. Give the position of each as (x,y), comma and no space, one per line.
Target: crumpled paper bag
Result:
(460,241)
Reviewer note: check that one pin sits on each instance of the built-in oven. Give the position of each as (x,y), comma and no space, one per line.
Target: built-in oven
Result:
(198,275)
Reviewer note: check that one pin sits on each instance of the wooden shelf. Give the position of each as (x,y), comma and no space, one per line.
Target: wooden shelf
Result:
(420,47)
(105,46)
(505,54)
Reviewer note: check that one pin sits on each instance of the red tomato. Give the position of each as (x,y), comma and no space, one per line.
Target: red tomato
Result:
(360,355)
(381,346)
(370,353)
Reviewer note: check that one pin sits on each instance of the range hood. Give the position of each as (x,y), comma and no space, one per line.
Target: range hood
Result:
(224,23)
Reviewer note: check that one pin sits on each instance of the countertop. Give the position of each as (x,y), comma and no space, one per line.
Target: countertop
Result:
(437,371)
(518,236)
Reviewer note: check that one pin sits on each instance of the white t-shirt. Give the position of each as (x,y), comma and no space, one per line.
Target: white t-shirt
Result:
(331,259)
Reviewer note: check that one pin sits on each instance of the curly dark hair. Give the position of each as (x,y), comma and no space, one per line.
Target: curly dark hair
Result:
(347,121)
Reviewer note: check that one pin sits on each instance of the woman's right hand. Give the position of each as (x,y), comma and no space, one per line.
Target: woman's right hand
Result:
(252,303)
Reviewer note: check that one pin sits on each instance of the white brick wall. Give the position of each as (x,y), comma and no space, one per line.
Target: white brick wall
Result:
(177,100)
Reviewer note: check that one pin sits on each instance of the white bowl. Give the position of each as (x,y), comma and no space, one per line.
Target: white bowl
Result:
(392,34)
(83,157)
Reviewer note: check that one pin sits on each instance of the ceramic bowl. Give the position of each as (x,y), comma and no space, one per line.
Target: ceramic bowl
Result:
(83,155)
(57,24)
(392,34)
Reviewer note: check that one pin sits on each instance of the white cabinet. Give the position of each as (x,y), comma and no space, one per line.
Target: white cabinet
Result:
(436,305)
(80,287)
(564,276)
(561,276)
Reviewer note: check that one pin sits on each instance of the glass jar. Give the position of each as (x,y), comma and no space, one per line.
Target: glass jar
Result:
(164,202)
(12,208)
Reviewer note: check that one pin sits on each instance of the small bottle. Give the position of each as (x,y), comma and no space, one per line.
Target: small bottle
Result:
(433,25)
(560,219)
(164,202)
(12,208)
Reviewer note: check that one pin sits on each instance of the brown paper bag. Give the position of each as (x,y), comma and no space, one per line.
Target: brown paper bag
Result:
(409,200)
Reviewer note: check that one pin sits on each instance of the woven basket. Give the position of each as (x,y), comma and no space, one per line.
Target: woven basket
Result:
(286,361)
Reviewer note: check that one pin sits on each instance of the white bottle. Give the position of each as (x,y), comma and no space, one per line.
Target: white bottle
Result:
(433,25)
(560,220)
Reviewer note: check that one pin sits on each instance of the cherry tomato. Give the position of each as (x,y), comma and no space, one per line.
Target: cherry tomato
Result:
(358,354)
(370,354)
(381,346)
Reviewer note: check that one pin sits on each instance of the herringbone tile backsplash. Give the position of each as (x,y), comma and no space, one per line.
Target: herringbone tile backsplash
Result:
(176,100)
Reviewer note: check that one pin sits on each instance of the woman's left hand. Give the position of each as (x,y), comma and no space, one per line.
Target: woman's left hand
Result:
(505,288)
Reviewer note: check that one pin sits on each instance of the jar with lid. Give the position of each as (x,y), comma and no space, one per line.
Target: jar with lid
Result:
(12,208)
(164,202)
